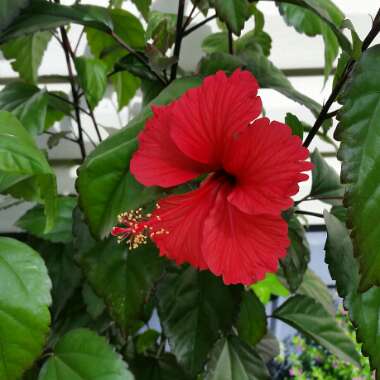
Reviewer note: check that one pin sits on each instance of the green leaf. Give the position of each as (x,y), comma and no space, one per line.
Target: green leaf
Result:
(22,160)
(28,103)
(215,42)
(233,13)
(122,278)
(9,10)
(125,85)
(26,54)
(92,77)
(268,348)
(295,263)
(326,183)
(43,15)
(105,186)
(161,29)
(364,308)
(294,123)
(83,355)
(232,359)
(309,317)
(163,368)
(94,304)
(146,340)
(315,288)
(360,153)
(270,285)
(143,6)
(268,75)
(24,302)
(252,321)
(34,221)
(194,307)
(127,27)
(309,17)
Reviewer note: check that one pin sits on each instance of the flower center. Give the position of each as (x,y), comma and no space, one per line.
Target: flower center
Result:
(136,227)
(224,175)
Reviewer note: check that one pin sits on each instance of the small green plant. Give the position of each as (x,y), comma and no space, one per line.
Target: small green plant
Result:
(306,360)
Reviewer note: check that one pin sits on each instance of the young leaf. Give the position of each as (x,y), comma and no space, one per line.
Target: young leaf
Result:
(293,122)
(34,221)
(326,183)
(271,285)
(364,308)
(294,265)
(233,359)
(92,76)
(123,278)
(234,13)
(28,103)
(252,321)
(24,302)
(360,156)
(125,85)
(26,54)
(161,29)
(82,354)
(104,177)
(194,307)
(21,159)
(308,316)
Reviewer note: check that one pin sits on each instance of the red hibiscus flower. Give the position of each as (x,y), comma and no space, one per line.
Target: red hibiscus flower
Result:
(232,223)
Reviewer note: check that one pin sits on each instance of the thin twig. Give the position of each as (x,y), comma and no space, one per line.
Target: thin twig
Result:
(197,26)
(16,203)
(178,39)
(188,19)
(331,114)
(230,42)
(338,87)
(123,44)
(62,137)
(95,124)
(79,40)
(316,214)
(69,102)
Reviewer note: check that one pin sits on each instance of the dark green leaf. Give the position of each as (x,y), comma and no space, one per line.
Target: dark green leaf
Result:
(202,5)
(94,304)
(106,188)
(146,340)
(295,263)
(28,103)
(306,18)
(293,122)
(26,54)
(92,77)
(360,153)
(9,10)
(132,64)
(34,221)
(59,106)
(43,15)
(232,359)
(271,285)
(22,160)
(122,278)
(125,85)
(364,308)
(234,13)
(24,301)
(252,321)
(194,307)
(216,42)
(339,212)
(326,183)
(81,354)
(309,317)
(163,368)
(268,347)
(315,288)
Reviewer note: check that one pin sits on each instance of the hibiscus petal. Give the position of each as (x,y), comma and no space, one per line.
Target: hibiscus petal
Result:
(178,224)
(267,163)
(206,117)
(240,247)
(158,161)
